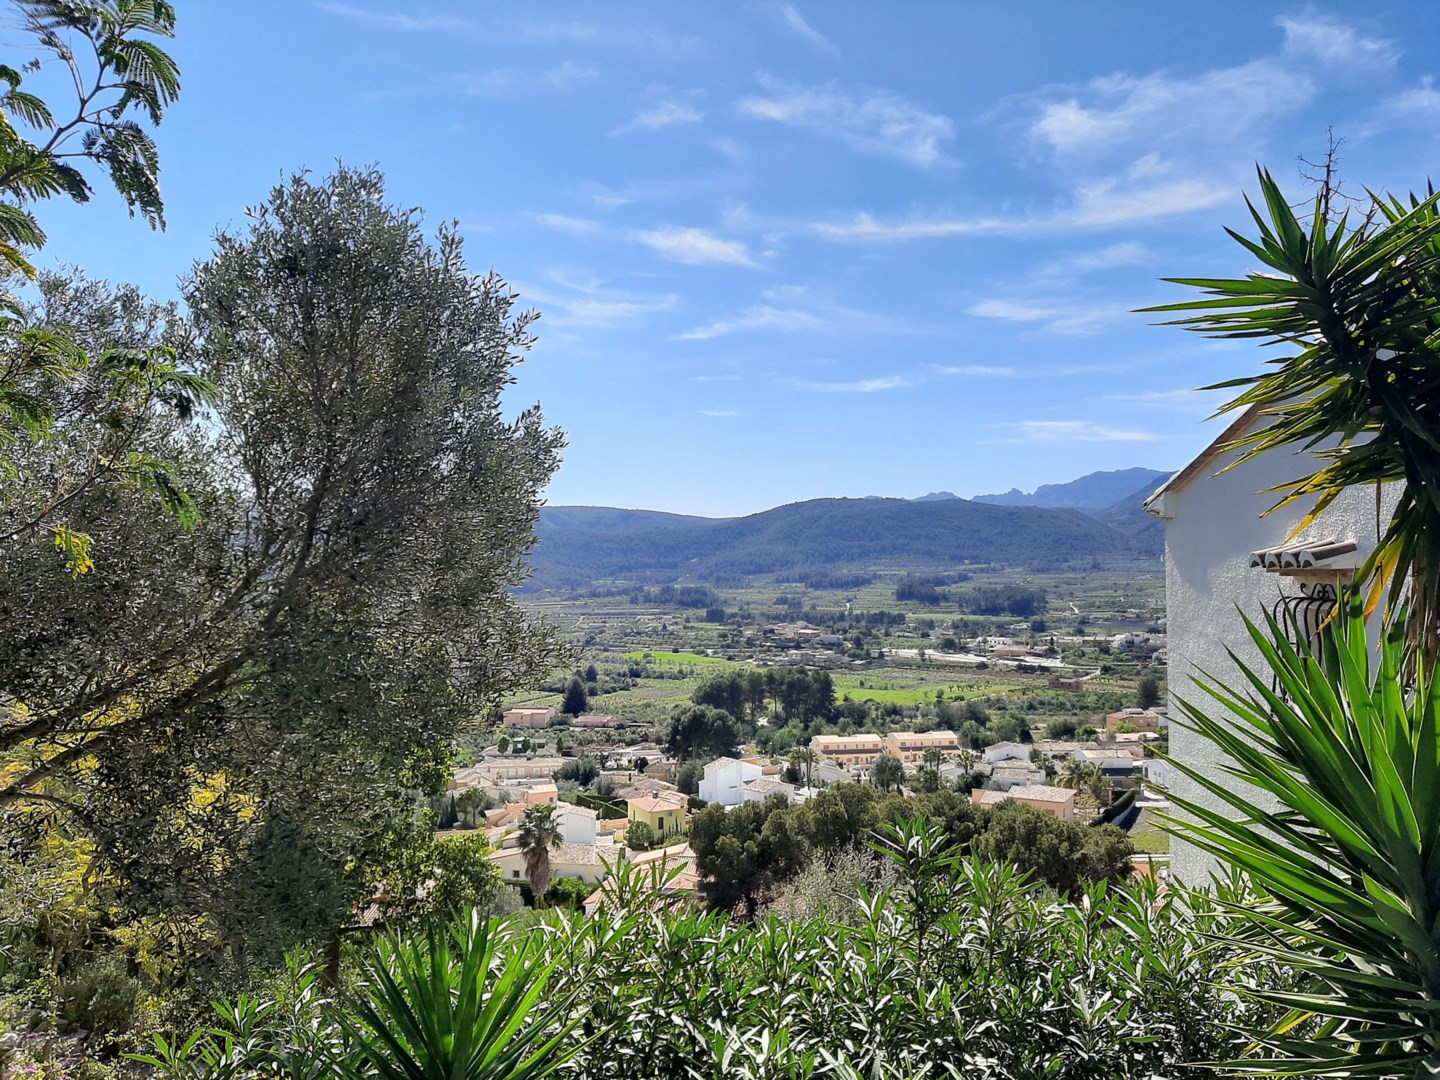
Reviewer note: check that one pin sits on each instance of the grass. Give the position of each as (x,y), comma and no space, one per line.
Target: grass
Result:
(1151,841)
(659,656)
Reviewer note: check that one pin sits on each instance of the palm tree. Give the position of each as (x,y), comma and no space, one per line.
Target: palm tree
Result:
(538,834)
(804,756)
(934,758)
(1360,307)
(887,772)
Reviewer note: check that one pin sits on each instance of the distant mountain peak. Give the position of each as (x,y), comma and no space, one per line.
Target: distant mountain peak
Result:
(935,496)
(1093,491)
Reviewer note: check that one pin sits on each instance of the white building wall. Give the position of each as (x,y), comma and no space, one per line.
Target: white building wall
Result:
(1213,522)
(725,785)
(577,828)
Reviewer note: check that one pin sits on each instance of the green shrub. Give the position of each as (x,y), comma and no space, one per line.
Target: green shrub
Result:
(101,996)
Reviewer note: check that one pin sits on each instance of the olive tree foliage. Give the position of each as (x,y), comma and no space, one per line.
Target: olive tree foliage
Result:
(291,664)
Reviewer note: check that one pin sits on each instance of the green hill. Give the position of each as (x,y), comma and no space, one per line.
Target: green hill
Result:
(602,544)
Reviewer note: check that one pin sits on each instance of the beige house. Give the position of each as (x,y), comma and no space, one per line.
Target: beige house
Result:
(849,749)
(1058,802)
(582,861)
(910,747)
(529,717)
(1139,719)
(541,795)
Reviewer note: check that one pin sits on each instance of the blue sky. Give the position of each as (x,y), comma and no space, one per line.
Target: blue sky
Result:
(791,250)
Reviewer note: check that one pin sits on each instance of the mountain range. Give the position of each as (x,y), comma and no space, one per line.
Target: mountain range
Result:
(1094,491)
(584,545)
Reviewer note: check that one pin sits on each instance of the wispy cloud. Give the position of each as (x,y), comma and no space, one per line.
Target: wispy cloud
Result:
(695,247)
(1157,108)
(871,121)
(858,386)
(501,81)
(644,38)
(581,299)
(570,226)
(1183,396)
(979,371)
(791,18)
(714,378)
(796,309)
(1057,317)
(1106,258)
(717,412)
(412,23)
(1076,431)
(662,115)
(1110,202)
(1333,42)
(1421,100)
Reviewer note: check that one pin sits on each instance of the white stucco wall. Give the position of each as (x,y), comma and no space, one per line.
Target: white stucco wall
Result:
(1213,522)
(724,785)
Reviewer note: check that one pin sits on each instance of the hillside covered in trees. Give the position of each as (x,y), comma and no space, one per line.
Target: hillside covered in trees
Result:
(579,545)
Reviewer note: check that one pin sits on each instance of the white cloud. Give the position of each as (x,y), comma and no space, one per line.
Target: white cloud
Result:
(1418,99)
(500,81)
(647,39)
(1109,202)
(795,22)
(796,309)
(859,386)
(715,378)
(694,246)
(570,226)
(412,23)
(1213,107)
(717,412)
(663,115)
(1332,42)
(1106,258)
(1158,397)
(976,370)
(1059,318)
(874,122)
(586,300)
(1077,431)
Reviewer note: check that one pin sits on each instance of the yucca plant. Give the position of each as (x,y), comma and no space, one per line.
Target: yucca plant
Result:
(1347,860)
(464,1001)
(1358,305)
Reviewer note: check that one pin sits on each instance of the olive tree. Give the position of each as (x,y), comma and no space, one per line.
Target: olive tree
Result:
(295,660)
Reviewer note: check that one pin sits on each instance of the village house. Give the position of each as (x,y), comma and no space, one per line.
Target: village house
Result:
(529,717)
(595,720)
(1222,558)
(724,780)
(577,824)
(849,750)
(761,789)
(583,862)
(663,813)
(1007,751)
(910,746)
(1058,802)
(1137,719)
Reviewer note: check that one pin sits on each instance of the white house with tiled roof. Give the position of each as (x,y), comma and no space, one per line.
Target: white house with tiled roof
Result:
(761,789)
(1221,555)
(581,861)
(724,780)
